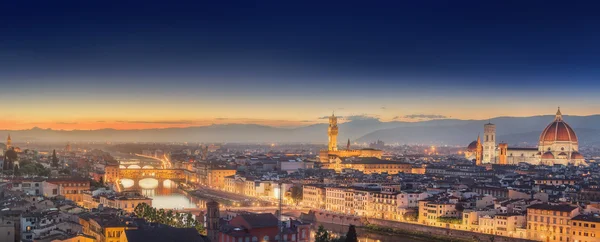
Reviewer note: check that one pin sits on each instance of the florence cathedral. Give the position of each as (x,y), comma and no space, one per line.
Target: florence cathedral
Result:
(558,144)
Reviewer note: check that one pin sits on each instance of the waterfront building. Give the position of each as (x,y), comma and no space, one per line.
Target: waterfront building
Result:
(126,200)
(430,211)
(585,228)
(111,172)
(383,205)
(313,195)
(216,177)
(548,222)
(339,200)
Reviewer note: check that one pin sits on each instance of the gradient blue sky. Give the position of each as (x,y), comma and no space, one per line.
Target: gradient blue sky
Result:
(95,64)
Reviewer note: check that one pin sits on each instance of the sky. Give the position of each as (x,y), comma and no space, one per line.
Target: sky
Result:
(156,64)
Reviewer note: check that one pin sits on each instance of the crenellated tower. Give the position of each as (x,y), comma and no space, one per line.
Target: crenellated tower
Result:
(8,142)
(332,131)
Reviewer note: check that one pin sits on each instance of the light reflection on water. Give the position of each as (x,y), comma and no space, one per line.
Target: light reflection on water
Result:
(164,193)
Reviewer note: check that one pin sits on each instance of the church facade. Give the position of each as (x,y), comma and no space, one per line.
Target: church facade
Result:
(329,157)
(558,144)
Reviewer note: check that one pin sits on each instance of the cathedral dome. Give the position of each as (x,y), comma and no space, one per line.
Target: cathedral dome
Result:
(576,156)
(472,146)
(548,155)
(558,130)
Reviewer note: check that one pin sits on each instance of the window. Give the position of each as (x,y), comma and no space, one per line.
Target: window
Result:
(266,238)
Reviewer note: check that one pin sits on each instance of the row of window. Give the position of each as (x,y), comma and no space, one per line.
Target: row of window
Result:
(586,225)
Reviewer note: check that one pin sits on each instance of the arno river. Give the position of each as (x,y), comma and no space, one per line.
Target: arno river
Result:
(165,194)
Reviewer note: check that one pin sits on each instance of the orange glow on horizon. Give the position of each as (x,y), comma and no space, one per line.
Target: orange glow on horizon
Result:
(131,125)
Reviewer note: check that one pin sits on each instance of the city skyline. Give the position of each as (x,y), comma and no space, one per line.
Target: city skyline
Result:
(137,66)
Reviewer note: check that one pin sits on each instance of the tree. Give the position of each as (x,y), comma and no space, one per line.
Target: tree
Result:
(296,194)
(139,210)
(54,159)
(189,220)
(351,235)
(161,216)
(322,235)
(338,239)
(200,228)
(11,154)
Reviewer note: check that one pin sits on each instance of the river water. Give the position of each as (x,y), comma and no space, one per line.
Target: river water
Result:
(165,194)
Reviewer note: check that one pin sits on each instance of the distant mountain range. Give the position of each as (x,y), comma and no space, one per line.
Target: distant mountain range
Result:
(522,131)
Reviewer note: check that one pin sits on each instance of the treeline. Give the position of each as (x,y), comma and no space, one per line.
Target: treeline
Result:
(168,217)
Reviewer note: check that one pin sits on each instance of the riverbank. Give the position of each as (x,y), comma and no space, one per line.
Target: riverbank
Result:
(365,234)
(404,228)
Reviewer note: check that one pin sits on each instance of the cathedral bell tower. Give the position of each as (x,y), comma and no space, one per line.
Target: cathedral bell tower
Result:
(332,131)
(489,143)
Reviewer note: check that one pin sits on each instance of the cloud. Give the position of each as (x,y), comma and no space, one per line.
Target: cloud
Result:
(158,122)
(383,107)
(425,116)
(395,117)
(360,117)
(66,123)
(327,117)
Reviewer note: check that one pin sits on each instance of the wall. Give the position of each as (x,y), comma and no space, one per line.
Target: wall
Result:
(443,231)
(318,216)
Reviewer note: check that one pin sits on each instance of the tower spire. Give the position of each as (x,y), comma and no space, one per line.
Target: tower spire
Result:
(348,145)
(558,115)
(8,142)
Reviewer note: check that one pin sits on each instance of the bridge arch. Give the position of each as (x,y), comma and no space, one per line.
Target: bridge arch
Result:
(147,167)
(134,167)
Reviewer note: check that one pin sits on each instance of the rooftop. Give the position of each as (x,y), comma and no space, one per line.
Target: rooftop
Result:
(559,208)
(160,234)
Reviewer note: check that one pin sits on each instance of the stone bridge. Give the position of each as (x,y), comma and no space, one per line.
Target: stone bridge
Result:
(182,175)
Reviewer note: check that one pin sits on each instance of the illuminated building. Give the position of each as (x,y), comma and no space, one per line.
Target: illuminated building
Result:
(216,176)
(329,156)
(126,201)
(546,222)
(558,144)
(71,188)
(339,200)
(585,228)
(313,196)
(383,205)
(370,165)
(111,172)
(105,228)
